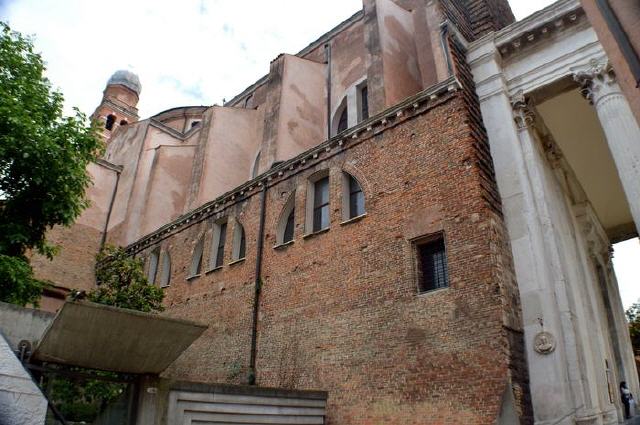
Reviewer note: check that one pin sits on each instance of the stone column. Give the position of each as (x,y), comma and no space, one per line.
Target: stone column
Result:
(620,127)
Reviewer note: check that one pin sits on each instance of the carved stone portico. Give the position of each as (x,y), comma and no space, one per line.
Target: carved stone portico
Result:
(600,87)
(568,178)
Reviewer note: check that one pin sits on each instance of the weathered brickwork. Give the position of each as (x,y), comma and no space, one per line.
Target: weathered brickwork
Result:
(339,310)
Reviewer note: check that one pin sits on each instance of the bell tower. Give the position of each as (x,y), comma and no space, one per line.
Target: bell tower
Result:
(119,101)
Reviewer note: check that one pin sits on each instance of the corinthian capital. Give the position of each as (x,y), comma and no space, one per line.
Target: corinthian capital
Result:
(595,79)
(522,111)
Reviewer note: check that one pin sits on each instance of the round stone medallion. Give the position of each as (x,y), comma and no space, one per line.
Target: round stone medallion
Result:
(544,343)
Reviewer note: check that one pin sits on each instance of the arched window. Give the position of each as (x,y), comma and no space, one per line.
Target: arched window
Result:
(352,197)
(165,271)
(256,167)
(123,122)
(239,243)
(196,259)
(111,120)
(218,238)
(363,102)
(153,266)
(340,120)
(343,122)
(318,213)
(286,224)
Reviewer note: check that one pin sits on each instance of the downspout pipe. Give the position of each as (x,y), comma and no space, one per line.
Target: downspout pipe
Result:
(444,34)
(251,379)
(327,53)
(621,37)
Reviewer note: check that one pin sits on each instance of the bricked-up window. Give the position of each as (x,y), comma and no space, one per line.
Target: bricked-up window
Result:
(432,264)
(321,204)
(196,259)
(239,243)
(153,266)
(111,120)
(364,103)
(165,275)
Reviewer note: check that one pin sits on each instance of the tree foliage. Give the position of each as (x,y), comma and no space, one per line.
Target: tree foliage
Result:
(122,282)
(43,161)
(633,316)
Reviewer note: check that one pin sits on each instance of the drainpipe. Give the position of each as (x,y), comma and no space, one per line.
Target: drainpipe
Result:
(621,37)
(327,54)
(258,286)
(444,33)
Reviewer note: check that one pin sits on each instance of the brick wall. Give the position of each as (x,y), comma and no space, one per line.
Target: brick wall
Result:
(339,310)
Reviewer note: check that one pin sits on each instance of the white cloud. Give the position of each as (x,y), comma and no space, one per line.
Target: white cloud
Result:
(195,52)
(191,52)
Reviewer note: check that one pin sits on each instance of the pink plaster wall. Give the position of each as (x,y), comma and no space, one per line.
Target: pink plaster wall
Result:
(73,267)
(302,113)
(234,139)
(400,62)
(169,181)
(348,54)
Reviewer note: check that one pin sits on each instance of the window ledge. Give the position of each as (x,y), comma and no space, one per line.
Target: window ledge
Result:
(215,269)
(195,276)
(167,286)
(238,261)
(354,219)
(283,245)
(319,232)
(432,291)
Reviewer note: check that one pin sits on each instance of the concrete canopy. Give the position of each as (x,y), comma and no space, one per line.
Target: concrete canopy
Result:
(107,338)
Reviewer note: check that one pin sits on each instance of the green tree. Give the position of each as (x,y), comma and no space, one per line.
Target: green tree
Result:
(43,161)
(633,316)
(122,283)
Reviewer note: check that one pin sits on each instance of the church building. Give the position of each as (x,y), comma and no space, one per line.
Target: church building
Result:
(413,214)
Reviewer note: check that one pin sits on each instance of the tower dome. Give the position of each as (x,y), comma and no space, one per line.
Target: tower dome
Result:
(127,79)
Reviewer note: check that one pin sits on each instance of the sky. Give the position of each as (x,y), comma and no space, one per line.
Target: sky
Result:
(197,52)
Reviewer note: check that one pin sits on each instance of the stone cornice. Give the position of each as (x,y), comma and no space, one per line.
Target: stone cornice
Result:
(173,132)
(106,164)
(417,104)
(540,25)
(121,108)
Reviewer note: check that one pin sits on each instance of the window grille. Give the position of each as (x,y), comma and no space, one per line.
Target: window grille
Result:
(432,258)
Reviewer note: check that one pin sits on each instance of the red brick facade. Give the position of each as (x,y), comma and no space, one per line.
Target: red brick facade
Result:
(339,310)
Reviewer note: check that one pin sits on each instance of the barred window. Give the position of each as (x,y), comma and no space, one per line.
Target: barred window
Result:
(432,265)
